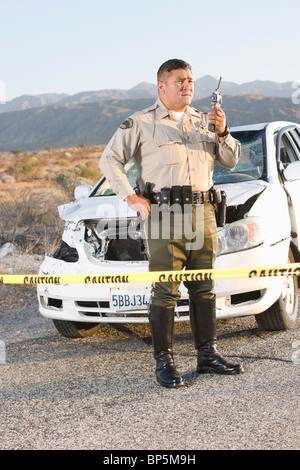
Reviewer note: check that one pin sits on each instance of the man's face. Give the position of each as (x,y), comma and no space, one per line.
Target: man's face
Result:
(176,89)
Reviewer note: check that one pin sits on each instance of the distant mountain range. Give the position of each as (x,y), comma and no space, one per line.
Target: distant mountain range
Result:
(203,87)
(60,120)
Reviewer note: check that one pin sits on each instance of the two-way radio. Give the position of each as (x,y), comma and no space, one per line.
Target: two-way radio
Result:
(216,100)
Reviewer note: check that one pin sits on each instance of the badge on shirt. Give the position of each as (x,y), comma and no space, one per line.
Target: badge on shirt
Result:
(127,124)
(202,128)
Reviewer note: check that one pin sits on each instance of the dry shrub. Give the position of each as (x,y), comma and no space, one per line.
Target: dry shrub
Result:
(81,174)
(29,217)
(27,169)
(30,220)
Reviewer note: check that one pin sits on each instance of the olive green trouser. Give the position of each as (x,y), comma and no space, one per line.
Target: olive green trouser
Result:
(192,243)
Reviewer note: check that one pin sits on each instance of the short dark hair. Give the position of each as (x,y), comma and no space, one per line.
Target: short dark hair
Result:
(172,64)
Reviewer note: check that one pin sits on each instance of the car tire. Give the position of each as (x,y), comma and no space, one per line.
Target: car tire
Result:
(72,329)
(282,315)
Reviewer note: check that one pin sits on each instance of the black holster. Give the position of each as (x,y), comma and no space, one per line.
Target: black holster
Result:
(220,204)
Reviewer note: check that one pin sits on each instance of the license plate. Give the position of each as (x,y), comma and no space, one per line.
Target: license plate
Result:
(130,299)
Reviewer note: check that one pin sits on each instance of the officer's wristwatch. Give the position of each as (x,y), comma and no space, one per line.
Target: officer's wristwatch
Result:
(225,133)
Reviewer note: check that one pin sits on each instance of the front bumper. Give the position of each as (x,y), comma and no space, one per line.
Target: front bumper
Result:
(93,302)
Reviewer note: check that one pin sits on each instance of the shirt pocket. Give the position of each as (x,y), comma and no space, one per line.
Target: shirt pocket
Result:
(171,147)
(207,148)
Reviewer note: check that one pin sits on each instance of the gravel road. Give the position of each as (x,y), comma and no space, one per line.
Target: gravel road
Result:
(100,392)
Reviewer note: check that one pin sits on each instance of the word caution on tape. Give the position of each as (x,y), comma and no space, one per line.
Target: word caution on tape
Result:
(153,276)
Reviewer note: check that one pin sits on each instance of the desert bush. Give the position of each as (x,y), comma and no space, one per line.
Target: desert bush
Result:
(28,215)
(88,173)
(27,169)
(64,176)
(30,220)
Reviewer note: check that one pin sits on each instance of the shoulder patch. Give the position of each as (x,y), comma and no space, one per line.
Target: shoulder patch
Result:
(127,124)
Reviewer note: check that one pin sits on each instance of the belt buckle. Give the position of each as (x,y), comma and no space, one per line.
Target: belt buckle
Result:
(196,198)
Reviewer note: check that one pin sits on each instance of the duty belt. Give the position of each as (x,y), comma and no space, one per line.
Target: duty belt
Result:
(181,195)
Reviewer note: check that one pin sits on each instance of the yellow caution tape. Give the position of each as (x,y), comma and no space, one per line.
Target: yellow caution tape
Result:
(154,276)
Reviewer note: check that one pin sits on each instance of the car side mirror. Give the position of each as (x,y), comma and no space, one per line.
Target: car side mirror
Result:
(292,171)
(82,191)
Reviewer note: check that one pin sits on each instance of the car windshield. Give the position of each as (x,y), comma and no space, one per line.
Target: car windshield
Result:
(251,165)
(104,189)
(252,161)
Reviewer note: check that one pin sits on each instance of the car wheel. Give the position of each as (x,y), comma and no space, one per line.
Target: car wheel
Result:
(282,315)
(72,329)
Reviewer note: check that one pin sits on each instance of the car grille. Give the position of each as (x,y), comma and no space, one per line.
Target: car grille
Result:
(101,310)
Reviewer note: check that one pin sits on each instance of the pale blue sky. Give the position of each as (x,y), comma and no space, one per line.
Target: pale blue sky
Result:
(68,46)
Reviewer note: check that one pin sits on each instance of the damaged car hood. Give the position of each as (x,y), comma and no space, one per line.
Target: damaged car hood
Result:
(103,207)
(107,207)
(239,193)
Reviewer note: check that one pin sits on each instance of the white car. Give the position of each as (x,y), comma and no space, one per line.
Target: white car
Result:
(101,236)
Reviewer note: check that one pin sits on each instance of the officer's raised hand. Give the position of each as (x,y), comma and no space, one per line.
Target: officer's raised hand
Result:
(217,116)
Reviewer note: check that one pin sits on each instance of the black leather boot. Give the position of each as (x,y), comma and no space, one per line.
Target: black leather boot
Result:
(161,321)
(203,323)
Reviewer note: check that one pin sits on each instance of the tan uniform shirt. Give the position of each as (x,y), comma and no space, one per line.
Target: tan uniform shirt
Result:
(167,151)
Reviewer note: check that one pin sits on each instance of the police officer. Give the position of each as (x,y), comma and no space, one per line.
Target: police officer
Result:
(174,153)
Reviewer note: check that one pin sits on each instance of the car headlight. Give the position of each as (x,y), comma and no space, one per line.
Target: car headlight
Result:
(240,235)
